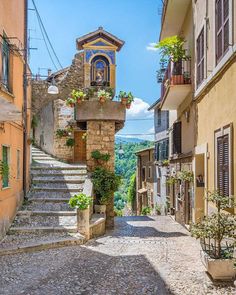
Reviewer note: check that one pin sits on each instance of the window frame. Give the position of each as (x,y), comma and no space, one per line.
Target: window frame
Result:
(8,163)
(5,53)
(200,50)
(220,133)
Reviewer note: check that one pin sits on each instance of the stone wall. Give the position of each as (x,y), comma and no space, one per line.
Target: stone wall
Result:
(101,136)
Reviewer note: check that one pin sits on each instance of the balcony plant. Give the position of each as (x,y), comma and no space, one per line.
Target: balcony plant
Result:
(78,95)
(103,95)
(217,237)
(130,100)
(123,96)
(70,102)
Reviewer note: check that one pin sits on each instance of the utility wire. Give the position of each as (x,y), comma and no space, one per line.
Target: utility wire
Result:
(140,119)
(42,28)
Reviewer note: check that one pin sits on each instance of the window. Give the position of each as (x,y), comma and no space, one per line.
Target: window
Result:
(143,174)
(176,138)
(5,163)
(159,118)
(221,28)
(149,172)
(200,57)
(5,63)
(18,164)
(162,150)
(223,161)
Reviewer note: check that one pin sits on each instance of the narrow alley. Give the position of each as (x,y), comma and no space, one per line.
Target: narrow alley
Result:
(143,255)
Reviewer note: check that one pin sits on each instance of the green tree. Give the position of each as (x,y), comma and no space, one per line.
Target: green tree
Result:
(132,189)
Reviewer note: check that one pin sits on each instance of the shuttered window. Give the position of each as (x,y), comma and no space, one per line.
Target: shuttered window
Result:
(200,57)
(162,150)
(5,63)
(221,28)
(5,163)
(177,138)
(223,165)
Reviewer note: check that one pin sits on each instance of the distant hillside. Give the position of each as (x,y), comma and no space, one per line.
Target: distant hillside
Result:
(121,139)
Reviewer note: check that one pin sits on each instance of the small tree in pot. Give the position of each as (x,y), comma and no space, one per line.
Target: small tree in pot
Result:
(217,234)
(105,183)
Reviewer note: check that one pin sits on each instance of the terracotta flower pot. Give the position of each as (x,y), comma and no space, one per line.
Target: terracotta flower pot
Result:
(124,100)
(79,100)
(102,99)
(128,105)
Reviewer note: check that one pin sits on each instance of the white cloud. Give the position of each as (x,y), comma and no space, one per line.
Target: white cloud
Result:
(151,47)
(139,109)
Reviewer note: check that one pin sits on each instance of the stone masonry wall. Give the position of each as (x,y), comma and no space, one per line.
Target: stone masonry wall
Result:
(101,136)
(63,114)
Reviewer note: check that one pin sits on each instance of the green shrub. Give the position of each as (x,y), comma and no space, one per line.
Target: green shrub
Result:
(132,188)
(97,155)
(70,142)
(146,210)
(118,213)
(105,184)
(80,201)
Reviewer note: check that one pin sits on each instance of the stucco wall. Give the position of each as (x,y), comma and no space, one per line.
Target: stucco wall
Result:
(217,109)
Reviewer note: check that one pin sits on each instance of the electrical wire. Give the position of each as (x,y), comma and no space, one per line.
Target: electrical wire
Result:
(42,28)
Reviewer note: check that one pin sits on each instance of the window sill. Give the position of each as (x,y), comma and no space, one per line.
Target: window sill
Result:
(6,188)
(4,89)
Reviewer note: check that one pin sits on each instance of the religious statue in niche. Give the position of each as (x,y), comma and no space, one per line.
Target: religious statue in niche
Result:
(200,181)
(100,72)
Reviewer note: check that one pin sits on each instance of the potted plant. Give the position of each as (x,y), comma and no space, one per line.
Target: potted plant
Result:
(105,183)
(78,95)
(70,142)
(130,100)
(81,203)
(146,211)
(70,102)
(100,157)
(123,96)
(103,95)
(217,237)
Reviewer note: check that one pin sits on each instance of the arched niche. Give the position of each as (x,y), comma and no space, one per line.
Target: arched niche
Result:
(100,71)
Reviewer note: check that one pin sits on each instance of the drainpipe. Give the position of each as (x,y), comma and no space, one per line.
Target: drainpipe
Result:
(25,98)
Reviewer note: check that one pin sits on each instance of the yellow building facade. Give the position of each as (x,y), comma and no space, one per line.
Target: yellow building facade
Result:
(12,151)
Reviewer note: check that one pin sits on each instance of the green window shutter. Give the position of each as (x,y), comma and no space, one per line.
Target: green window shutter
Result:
(5,176)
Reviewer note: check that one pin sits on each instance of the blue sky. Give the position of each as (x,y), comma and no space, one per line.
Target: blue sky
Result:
(137,22)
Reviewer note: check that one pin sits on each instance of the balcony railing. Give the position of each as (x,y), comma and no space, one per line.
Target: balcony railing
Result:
(177,73)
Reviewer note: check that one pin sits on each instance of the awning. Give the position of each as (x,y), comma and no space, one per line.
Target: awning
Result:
(142,190)
(8,111)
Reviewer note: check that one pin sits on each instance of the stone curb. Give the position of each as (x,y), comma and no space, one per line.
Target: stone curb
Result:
(39,229)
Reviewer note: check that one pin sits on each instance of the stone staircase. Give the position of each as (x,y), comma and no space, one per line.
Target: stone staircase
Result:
(46,220)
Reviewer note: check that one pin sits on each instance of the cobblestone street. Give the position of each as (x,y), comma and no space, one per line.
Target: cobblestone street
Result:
(143,255)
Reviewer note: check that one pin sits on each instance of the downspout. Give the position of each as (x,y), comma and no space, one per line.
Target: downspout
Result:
(25,105)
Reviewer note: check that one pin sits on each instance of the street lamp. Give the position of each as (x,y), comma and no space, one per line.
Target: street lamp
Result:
(53,89)
(121,151)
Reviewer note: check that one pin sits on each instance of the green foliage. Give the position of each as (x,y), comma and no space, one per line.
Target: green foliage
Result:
(118,212)
(146,211)
(70,102)
(172,48)
(80,201)
(185,175)
(130,98)
(70,142)
(217,226)
(105,184)
(78,95)
(132,188)
(4,170)
(165,163)
(97,155)
(61,133)
(34,121)
(125,166)
(171,180)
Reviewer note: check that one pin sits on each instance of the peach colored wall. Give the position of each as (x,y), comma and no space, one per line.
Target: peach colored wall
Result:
(11,133)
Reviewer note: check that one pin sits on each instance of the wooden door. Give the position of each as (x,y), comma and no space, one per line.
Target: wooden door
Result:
(80,147)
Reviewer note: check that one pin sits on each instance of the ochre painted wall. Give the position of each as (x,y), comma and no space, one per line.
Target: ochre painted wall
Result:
(216,110)
(11,133)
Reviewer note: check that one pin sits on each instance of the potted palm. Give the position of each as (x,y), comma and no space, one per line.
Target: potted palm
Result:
(217,238)
(103,95)
(129,100)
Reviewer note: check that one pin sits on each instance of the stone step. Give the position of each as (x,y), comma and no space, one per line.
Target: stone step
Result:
(63,166)
(48,205)
(50,195)
(61,179)
(25,243)
(29,213)
(58,187)
(47,200)
(42,229)
(55,173)
(47,158)
(42,221)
